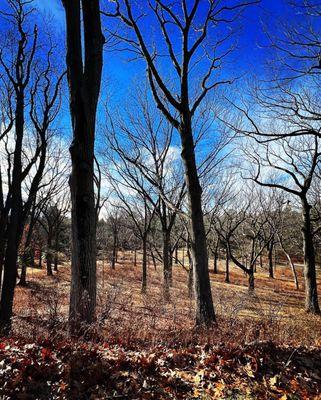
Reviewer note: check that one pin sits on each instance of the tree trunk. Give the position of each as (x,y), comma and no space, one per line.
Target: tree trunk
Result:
(292,266)
(190,275)
(24,264)
(49,256)
(56,259)
(166,265)
(84,85)
(227,266)
(215,270)
(3,225)
(154,260)
(135,258)
(144,266)
(40,258)
(251,278)
(270,259)
(176,254)
(311,294)
(204,303)
(14,227)
(114,255)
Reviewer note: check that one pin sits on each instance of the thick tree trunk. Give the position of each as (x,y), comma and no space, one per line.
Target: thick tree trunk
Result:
(251,279)
(84,85)
(311,293)
(14,230)
(203,295)
(3,225)
(144,266)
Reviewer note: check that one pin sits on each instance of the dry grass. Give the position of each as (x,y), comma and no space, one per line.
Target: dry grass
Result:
(125,316)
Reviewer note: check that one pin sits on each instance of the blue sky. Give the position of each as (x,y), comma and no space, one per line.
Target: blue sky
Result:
(120,75)
(250,53)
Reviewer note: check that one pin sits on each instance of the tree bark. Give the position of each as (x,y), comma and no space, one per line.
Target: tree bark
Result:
(311,294)
(204,303)
(84,85)
(14,227)
(251,279)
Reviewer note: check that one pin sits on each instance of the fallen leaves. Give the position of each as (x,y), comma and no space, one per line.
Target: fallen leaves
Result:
(69,370)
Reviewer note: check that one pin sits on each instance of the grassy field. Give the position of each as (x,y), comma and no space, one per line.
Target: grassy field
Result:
(275,311)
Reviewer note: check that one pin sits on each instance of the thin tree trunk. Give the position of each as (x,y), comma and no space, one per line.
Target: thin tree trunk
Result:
(311,294)
(154,260)
(166,265)
(270,259)
(40,258)
(227,266)
(49,256)
(56,259)
(190,275)
(144,266)
(293,269)
(114,255)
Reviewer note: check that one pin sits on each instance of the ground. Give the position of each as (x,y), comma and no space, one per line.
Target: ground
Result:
(263,346)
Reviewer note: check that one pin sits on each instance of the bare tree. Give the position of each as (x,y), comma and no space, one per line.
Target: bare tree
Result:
(34,85)
(294,162)
(194,25)
(144,142)
(84,77)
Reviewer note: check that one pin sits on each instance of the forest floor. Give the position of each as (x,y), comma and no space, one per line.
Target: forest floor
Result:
(263,346)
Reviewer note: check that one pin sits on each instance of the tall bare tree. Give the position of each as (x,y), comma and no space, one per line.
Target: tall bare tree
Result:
(84,36)
(193,25)
(36,92)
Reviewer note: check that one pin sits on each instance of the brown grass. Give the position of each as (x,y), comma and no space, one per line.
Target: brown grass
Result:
(125,316)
